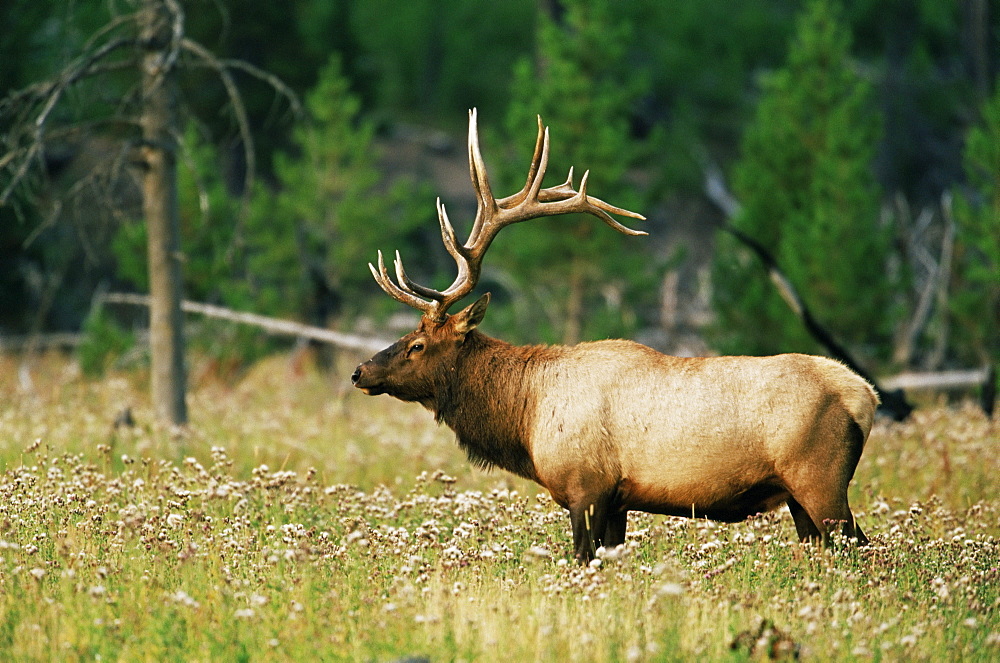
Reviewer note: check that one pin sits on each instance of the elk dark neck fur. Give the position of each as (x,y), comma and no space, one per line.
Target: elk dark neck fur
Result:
(489,401)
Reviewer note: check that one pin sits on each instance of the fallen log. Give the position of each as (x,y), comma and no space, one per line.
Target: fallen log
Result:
(270,325)
(35,342)
(938,380)
(984,379)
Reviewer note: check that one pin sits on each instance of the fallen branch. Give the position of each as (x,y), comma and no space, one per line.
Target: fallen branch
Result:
(984,379)
(36,342)
(270,325)
(939,380)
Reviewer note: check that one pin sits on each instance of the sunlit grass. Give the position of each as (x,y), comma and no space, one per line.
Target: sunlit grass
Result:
(295,519)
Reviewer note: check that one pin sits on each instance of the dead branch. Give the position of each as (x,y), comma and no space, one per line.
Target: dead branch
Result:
(32,343)
(48,94)
(931,277)
(938,380)
(239,109)
(222,68)
(984,379)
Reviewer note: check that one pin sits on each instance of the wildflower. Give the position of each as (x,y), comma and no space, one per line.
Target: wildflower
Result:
(537,553)
(181,597)
(669,589)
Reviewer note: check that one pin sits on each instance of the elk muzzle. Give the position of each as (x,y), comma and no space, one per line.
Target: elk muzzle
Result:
(372,376)
(362,379)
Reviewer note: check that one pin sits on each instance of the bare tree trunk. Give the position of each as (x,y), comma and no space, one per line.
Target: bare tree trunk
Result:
(976,42)
(159,193)
(574,303)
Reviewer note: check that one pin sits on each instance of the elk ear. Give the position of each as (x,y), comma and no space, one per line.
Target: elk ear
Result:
(469,318)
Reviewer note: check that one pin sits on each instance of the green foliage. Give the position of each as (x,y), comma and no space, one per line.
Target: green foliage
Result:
(698,57)
(635,91)
(104,341)
(208,215)
(333,205)
(216,246)
(808,193)
(975,300)
(579,84)
(435,58)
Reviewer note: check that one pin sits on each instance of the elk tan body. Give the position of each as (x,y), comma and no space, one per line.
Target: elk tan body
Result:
(613,426)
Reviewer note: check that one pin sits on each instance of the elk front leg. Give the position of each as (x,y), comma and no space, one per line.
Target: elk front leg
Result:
(594,526)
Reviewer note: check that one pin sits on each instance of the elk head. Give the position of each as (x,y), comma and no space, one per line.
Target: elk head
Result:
(412,368)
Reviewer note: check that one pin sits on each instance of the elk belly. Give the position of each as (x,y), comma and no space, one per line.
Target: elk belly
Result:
(706,494)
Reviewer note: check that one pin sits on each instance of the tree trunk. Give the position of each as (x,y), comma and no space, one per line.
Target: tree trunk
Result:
(159,192)
(574,303)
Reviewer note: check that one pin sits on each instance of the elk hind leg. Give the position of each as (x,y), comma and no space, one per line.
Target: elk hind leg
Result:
(816,513)
(804,525)
(818,490)
(807,530)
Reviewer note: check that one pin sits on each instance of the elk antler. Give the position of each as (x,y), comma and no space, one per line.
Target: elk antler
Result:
(530,202)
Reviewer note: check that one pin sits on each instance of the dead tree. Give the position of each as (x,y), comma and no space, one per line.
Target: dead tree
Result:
(160,30)
(150,42)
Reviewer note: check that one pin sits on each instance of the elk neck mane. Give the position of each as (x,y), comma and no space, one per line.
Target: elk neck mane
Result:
(490,401)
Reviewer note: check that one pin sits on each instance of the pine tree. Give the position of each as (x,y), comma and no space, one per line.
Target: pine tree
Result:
(579,271)
(975,302)
(809,196)
(314,237)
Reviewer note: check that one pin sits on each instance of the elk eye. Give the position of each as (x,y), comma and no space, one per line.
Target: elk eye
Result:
(416,347)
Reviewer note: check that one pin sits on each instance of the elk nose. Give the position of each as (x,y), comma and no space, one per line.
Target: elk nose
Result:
(356,375)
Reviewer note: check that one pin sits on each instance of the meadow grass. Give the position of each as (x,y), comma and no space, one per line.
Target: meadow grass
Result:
(295,519)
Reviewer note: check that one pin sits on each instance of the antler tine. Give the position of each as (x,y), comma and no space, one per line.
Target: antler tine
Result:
(539,164)
(405,284)
(448,236)
(407,297)
(566,190)
(538,156)
(477,169)
(492,216)
(601,210)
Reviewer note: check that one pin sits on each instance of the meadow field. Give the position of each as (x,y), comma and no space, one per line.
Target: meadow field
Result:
(297,520)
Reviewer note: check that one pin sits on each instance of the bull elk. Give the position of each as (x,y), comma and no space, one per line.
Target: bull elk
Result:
(612,426)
